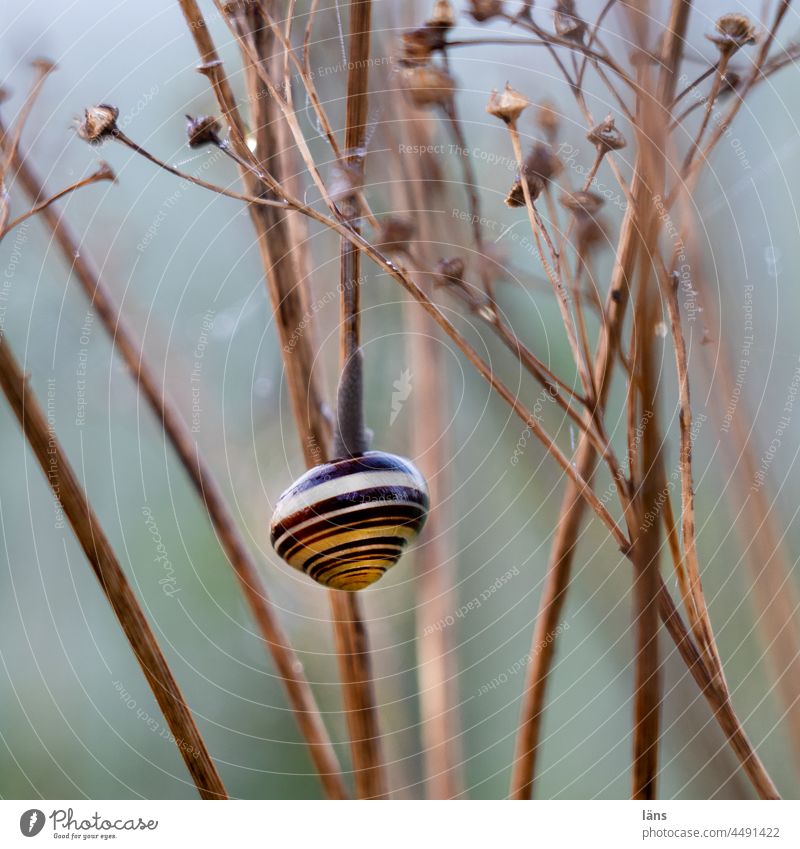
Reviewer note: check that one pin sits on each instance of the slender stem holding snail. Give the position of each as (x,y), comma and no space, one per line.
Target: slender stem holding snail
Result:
(349,432)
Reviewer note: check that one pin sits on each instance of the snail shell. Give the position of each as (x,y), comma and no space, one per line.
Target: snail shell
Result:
(346,522)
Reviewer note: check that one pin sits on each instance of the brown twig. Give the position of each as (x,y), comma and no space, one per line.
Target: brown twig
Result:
(89,533)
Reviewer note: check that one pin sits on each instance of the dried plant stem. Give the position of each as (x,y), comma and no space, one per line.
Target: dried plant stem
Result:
(645,550)
(717,698)
(86,527)
(103,173)
(553,272)
(351,635)
(567,530)
(436,560)
(773,595)
(289,667)
(288,294)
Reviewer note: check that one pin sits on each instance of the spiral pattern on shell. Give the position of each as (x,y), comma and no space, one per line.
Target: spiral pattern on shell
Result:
(346,522)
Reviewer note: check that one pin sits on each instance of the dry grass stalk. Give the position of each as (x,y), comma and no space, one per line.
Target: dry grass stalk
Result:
(289,666)
(87,529)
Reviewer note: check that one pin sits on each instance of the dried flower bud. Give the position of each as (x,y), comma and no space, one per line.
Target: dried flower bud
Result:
(395,234)
(450,272)
(734,31)
(99,123)
(568,23)
(483,10)
(202,130)
(582,203)
(606,137)
(428,85)
(507,106)
(540,167)
(442,15)
(549,121)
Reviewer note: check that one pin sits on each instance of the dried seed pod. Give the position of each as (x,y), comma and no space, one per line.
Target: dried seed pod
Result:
(549,121)
(203,130)
(568,23)
(442,15)
(484,10)
(346,522)
(590,233)
(733,31)
(541,166)
(418,44)
(586,204)
(507,105)
(428,85)
(450,271)
(606,137)
(395,234)
(99,123)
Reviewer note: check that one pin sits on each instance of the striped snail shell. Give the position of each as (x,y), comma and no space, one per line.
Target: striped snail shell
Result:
(346,522)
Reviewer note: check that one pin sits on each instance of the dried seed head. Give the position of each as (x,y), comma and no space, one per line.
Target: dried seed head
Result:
(428,85)
(450,271)
(105,172)
(418,44)
(442,15)
(99,123)
(734,31)
(586,204)
(540,167)
(202,130)
(395,234)
(567,21)
(44,66)
(483,10)
(730,82)
(590,233)
(606,137)
(508,105)
(549,120)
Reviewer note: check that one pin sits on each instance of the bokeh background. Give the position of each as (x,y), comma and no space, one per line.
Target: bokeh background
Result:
(76,717)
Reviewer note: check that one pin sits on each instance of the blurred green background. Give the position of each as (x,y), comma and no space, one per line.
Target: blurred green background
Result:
(74,707)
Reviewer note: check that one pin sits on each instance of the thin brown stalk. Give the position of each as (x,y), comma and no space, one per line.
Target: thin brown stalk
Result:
(241,559)
(87,529)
